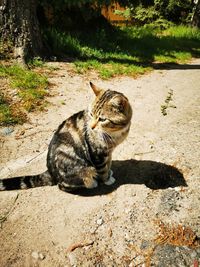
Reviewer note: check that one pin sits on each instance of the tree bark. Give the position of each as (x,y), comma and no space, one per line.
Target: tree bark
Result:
(20,26)
(195,21)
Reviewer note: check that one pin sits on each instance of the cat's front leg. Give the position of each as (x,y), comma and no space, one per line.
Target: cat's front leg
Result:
(111,179)
(107,177)
(105,174)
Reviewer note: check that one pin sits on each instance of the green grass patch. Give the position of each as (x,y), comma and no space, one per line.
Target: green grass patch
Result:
(110,69)
(30,90)
(125,51)
(36,62)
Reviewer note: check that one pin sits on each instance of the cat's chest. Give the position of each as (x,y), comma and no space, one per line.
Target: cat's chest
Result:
(99,154)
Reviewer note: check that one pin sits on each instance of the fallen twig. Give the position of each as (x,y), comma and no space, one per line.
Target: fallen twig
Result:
(28,161)
(145,152)
(79,245)
(22,136)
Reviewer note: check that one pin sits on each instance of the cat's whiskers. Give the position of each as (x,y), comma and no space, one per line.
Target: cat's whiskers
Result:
(108,139)
(104,139)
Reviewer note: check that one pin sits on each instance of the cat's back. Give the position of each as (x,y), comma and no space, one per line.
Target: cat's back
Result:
(70,130)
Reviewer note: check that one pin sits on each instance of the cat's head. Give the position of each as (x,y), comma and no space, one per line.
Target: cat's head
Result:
(110,111)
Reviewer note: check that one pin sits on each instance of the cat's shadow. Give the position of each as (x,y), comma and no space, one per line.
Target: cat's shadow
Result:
(152,174)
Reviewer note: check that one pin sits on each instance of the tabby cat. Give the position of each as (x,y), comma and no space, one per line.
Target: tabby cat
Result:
(80,151)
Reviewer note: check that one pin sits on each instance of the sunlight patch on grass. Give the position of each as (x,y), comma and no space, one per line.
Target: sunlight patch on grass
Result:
(25,91)
(126,50)
(173,57)
(110,69)
(182,31)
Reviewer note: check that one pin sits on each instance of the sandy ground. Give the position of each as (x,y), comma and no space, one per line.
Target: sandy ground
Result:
(157,170)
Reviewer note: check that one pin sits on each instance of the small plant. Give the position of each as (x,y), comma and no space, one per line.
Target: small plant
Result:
(167,103)
(36,62)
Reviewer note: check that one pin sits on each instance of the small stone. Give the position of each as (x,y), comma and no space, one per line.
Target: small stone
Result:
(72,259)
(92,231)
(41,256)
(127,211)
(35,255)
(193,254)
(100,221)
(127,237)
(178,189)
(7,131)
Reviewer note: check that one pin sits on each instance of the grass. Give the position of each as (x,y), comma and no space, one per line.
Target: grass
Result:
(107,50)
(125,51)
(23,91)
(108,70)
(36,62)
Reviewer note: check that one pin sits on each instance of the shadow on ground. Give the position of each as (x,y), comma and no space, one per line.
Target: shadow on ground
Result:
(152,174)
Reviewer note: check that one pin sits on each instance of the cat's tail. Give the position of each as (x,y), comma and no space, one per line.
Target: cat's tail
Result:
(25,182)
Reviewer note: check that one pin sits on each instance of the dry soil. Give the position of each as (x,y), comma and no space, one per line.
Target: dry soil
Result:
(157,171)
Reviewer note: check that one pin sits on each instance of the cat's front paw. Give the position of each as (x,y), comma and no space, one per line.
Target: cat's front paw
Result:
(110,181)
(94,184)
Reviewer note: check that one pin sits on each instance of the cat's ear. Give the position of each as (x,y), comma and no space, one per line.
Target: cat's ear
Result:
(120,103)
(95,89)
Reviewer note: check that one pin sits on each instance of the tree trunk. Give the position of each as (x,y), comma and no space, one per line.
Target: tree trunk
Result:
(20,26)
(195,21)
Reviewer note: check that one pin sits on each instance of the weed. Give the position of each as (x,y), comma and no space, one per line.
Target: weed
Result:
(167,104)
(36,62)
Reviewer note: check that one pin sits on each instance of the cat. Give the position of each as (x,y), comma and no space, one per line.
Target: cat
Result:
(80,152)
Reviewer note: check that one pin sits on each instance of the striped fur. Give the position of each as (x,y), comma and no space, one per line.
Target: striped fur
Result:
(80,151)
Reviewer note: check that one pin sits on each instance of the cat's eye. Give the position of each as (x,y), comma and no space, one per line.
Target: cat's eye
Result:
(102,119)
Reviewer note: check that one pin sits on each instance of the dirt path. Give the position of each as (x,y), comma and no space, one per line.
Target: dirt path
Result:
(157,170)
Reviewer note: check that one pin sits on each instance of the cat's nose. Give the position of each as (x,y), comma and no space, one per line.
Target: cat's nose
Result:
(93,124)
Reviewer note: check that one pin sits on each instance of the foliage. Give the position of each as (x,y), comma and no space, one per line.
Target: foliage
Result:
(78,3)
(144,12)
